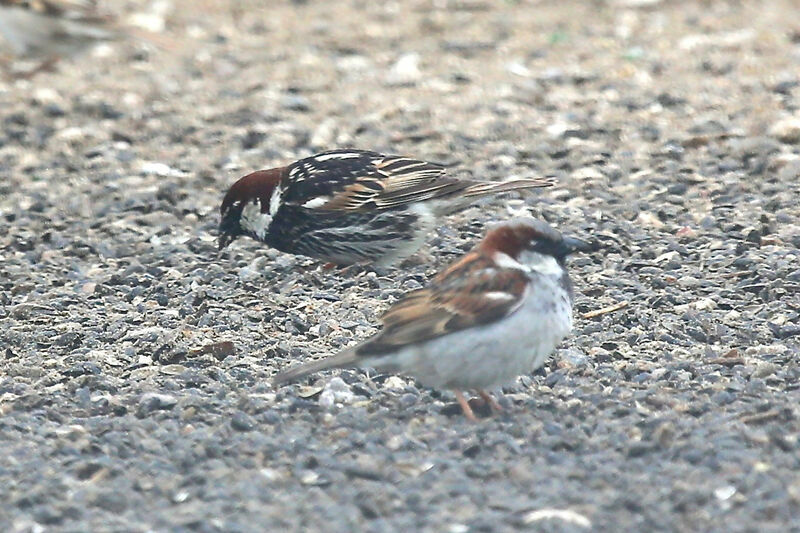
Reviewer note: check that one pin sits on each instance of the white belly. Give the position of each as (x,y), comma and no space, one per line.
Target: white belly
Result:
(490,355)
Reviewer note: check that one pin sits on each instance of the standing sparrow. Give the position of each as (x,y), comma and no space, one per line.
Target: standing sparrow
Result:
(48,30)
(52,28)
(496,313)
(350,206)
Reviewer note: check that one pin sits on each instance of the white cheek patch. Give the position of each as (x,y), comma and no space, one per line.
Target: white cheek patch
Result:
(253,220)
(506,261)
(541,263)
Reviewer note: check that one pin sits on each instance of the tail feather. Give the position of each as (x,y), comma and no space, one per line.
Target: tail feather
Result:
(456,191)
(342,359)
(493,187)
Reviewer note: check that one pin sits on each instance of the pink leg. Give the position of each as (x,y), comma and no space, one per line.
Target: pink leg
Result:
(465,406)
(496,407)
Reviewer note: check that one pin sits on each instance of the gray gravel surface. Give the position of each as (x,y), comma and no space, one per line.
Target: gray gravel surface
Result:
(673,128)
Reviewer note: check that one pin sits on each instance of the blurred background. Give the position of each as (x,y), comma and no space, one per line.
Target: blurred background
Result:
(509,87)
(672,127)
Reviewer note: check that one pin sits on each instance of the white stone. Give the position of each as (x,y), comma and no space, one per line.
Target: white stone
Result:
(786,130)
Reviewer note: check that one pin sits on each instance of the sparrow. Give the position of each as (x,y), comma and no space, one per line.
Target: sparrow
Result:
(48,30)
(493,315)
(350,206)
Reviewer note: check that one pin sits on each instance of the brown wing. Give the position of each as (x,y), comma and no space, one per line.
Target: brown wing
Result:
(391,181)
(71,8)
(471,292)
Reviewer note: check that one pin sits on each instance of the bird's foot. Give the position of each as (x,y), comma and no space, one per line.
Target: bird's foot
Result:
(490,401)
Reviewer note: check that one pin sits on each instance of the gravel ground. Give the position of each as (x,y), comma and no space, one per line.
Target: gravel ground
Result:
(134,358)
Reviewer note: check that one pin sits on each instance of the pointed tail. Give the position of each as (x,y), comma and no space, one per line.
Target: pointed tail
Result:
(493,187)
(343,359)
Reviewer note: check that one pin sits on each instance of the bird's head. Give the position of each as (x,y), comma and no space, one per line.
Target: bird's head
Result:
(245,208)
(532,244)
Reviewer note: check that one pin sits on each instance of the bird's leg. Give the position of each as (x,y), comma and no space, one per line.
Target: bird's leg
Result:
(48,65)
(355,268)
(343,270)
(496,407)
(420,257)
(465,406)
(380,270)
(6,63)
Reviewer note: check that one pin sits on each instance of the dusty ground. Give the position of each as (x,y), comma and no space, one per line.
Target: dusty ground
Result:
(670,127)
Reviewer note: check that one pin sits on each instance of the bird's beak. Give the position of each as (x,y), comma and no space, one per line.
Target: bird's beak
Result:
(573,244)
(228,229)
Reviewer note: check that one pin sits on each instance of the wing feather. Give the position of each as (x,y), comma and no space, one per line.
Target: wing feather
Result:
(472,292)
(387,182)
(353,180)
(359,180)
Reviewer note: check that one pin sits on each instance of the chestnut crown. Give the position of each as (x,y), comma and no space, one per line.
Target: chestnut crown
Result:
(527,234)
(255,187)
